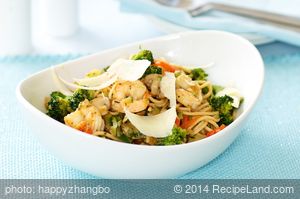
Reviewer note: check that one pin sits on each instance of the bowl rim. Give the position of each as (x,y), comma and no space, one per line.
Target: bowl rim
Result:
(27,105)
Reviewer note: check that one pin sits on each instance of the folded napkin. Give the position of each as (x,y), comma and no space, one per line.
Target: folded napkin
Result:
(213,20)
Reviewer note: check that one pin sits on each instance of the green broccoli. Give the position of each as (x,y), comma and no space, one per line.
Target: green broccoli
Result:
(61,105)
(177,136)
(58,106)
(205,90)
(224,106)
(153,70)
(79,95)
(217,88)
(144,54)
(198,74)
(114,123)
(124,138)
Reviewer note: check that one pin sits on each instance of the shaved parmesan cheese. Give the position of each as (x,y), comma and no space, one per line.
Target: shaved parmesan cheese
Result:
(208,65)
(129,70)
(93,81)
(121,69)
(233,93)
(167,87)
(59,85)
(155,125)
(159,125)
(101,86)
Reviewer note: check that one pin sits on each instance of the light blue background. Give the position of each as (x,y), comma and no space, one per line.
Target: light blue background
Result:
(223,21)
(268,146)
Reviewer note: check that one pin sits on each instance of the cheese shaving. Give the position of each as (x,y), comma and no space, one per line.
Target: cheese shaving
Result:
(129,70)
(94,81)
(62,88)
(233,93)
(159,125)
(101,86)
(121,69)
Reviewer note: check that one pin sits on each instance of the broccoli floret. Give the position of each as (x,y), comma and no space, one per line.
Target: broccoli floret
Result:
(217,88)
(58,106)
(79,95)
(224,106)
(177,136)
(153,70)
(144,54)
(61,105)
(147,54)
(205,90)
(198,74)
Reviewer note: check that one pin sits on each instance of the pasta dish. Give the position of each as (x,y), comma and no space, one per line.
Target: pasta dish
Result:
(142,100)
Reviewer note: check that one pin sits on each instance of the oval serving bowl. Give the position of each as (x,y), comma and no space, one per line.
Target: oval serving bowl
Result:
(237,63)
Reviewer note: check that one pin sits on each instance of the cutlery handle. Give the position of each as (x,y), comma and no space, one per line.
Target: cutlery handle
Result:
(248,12)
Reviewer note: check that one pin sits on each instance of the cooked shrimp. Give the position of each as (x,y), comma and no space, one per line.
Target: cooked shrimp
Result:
(187,98)
(86,118)
(152,82)
(102,103)
(185,82)
(133,95)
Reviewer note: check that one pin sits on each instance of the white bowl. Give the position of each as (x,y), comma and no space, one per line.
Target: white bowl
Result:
(237,63)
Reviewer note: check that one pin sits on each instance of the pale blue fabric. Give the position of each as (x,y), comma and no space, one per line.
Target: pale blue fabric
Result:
(268,146)
(217,20)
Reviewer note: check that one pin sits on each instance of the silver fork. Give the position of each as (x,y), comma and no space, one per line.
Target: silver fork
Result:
(283,21)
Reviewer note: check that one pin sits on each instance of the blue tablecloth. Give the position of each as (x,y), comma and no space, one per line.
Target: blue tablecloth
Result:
(268,146)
